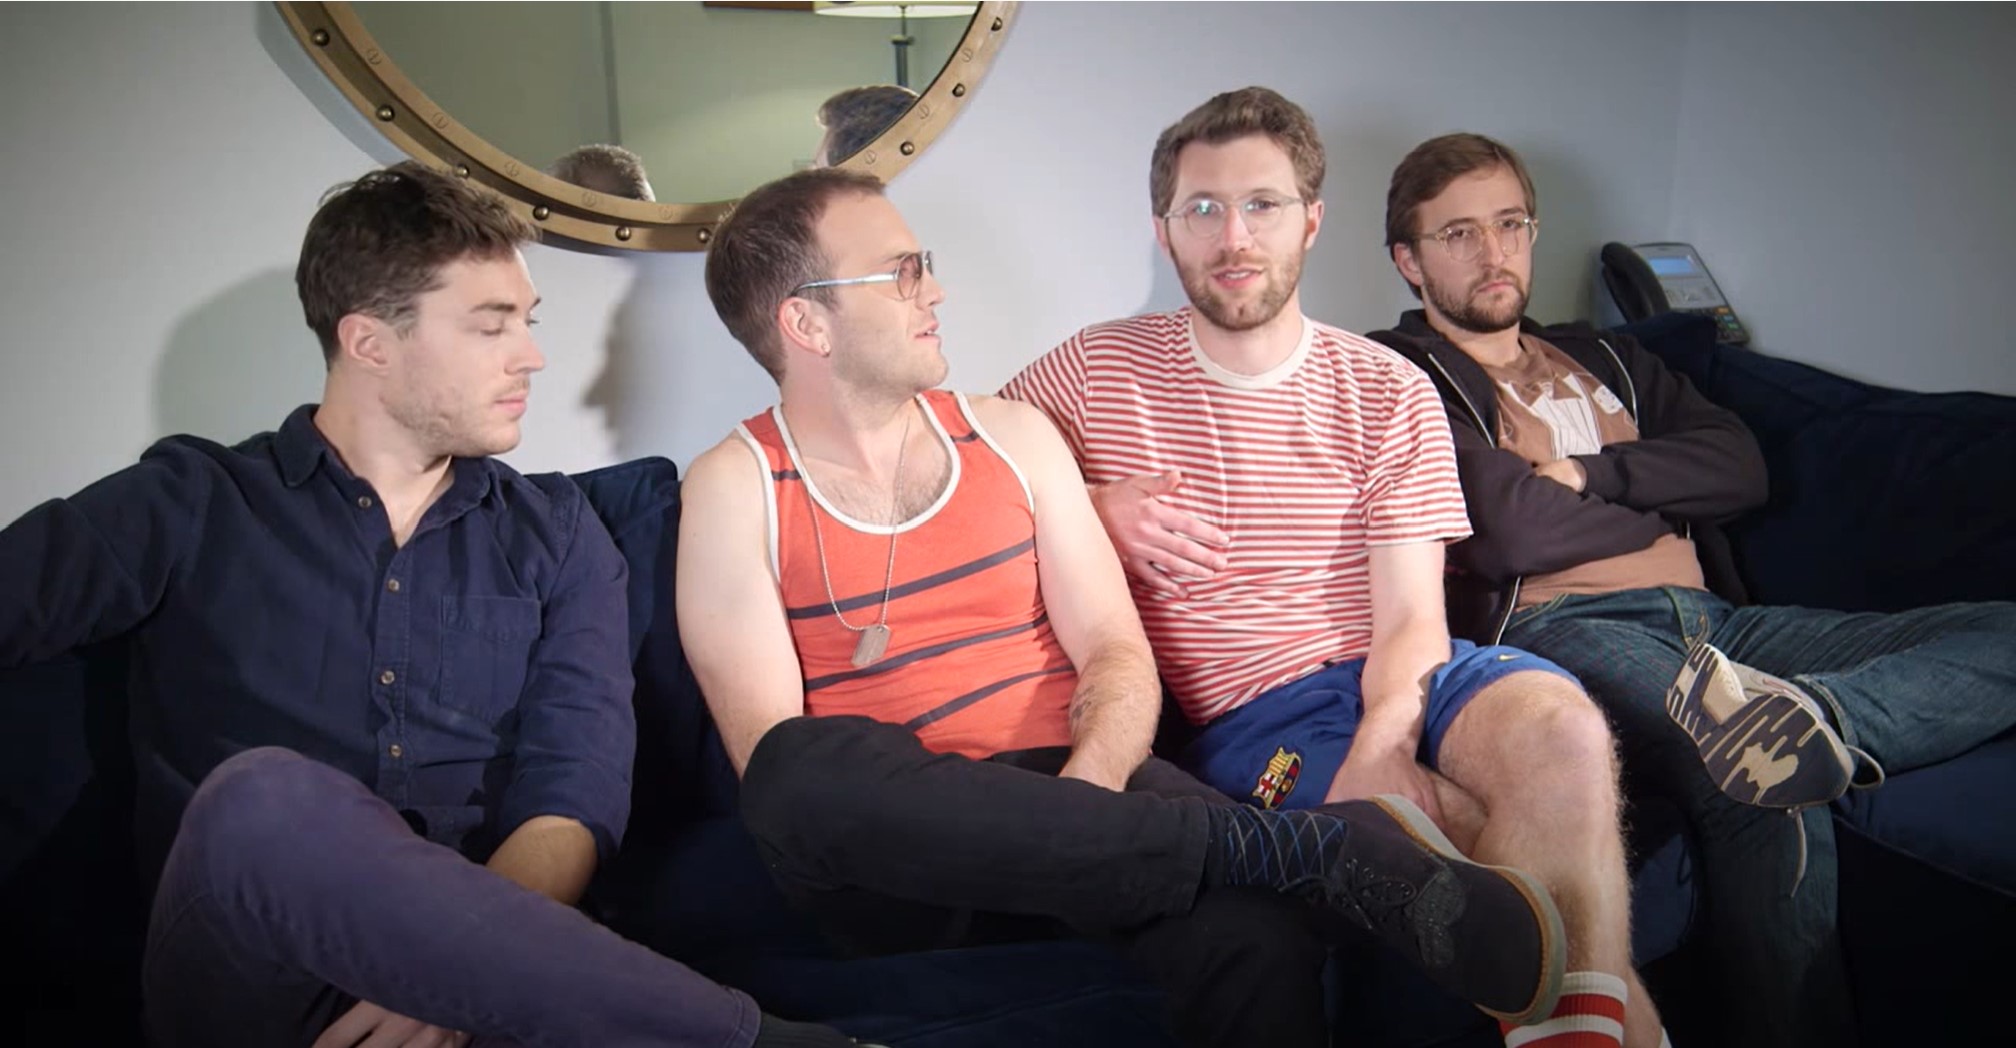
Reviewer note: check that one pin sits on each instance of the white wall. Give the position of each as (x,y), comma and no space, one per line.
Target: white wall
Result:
(1846,173)
(162,162)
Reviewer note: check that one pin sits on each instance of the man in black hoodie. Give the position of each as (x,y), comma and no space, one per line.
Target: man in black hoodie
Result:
(1594,477)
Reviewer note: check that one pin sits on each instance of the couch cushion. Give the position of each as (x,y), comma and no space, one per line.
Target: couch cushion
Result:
(1055,994)
(1955,816)
(1928,951)
(70,899)
(705,898)
(682,772)
(1907,488)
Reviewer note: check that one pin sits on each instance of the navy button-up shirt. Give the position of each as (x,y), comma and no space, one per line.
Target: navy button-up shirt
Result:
(473,678)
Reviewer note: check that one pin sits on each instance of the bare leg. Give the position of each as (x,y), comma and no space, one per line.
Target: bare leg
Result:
(1463,815)
(1537,754)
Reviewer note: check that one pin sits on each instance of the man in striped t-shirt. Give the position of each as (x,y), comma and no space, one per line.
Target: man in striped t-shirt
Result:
(1281,492)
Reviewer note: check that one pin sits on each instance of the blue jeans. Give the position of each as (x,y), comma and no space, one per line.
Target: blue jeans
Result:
(289,879)
(1912,688)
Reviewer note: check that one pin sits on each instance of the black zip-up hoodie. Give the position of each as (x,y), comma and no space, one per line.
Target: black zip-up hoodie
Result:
(1693,466)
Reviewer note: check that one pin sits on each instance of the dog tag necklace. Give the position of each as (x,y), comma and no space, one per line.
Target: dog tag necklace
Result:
(874,640)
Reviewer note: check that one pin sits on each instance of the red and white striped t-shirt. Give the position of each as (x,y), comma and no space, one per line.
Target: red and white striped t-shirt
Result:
(1341,447)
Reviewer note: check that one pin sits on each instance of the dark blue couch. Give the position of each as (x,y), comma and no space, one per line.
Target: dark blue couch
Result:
(1883,500)
(688,882)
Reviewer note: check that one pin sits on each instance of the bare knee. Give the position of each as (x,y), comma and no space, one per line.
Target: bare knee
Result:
(1578,721)
(1572,732)
(1539,726)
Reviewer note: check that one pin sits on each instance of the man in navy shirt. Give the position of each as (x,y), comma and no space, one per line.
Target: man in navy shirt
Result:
(381,686)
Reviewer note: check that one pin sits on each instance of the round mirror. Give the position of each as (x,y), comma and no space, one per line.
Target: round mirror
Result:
(637,125)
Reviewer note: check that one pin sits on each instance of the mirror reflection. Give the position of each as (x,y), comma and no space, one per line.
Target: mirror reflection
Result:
(674,102)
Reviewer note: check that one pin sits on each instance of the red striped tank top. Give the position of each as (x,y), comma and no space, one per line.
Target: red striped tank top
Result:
(972,666)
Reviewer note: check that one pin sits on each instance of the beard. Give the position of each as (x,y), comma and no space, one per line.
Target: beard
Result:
(1467,313)
(1275,291)
(442,427)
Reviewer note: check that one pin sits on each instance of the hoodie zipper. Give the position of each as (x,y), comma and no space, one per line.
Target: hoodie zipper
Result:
(1512,599)
(1630,387)
(1631,391)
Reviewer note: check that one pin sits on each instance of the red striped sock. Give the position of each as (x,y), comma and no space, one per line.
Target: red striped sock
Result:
(1590,1015)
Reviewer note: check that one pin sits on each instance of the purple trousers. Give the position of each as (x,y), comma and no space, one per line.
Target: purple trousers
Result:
(292,892)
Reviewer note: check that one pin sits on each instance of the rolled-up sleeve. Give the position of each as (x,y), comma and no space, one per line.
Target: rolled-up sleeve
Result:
(577,729)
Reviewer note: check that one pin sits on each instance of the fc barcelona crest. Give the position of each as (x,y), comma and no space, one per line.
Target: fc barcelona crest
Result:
(1278,781)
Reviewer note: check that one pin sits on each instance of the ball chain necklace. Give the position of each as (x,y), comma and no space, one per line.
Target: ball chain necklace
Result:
(874,640)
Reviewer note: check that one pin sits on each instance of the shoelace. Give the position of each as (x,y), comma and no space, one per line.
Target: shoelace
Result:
(1861,758)
(1798,826)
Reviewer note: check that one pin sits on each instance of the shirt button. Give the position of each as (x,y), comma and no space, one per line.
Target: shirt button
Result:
(392,585)
(387,677)
(395,751)
(363,502)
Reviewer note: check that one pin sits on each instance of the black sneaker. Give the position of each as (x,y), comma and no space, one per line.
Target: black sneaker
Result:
(1489,934)
(1764,740)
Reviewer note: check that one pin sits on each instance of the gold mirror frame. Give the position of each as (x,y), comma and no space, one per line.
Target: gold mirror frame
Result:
(335,38)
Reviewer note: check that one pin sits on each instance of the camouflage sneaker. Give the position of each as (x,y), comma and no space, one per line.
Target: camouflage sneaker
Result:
(1764,740)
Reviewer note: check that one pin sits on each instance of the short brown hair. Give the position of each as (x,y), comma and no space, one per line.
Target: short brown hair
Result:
(604,168)
(380,242)
(1236,114)
(1429,169)
(767,247)
(855,117)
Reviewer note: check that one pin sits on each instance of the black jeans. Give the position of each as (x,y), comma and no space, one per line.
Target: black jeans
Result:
(895,848)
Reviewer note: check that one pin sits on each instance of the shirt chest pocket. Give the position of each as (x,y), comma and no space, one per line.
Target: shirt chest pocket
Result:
(486,650)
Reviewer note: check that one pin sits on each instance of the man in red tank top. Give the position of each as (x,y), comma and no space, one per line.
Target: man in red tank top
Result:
(921,653)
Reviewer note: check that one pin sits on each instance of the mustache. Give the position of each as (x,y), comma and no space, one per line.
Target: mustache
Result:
(1243,259)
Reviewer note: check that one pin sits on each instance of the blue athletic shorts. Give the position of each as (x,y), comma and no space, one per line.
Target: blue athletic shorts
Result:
(1282,749)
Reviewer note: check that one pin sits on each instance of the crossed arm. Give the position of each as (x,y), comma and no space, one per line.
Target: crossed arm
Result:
(1695,461)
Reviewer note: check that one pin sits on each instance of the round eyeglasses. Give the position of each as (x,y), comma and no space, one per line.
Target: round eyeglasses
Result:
(908,276)
(1206,218)
(1464,241)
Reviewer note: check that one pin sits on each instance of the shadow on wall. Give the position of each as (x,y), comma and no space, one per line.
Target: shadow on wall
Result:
(1577,218)
(1166,290)
(1349,276)
(673,381)
(238,363)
